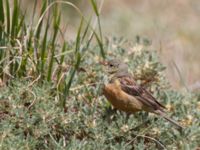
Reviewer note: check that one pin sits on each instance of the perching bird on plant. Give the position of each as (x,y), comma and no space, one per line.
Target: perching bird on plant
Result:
(126,95)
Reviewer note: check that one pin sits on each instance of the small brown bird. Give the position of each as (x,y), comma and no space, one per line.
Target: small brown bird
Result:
(126,95)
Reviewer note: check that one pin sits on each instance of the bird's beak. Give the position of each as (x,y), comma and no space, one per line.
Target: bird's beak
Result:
(105,66)
(107,69)
(105,63)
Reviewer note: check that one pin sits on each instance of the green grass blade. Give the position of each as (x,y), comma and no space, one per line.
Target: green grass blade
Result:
(99,40)
(44,5)
(63,50)
(61,61)
(21,24)
(70,79)
(29,41)
(1,20)
(8,16)
(100,32)
(15,17)
(94,5)
(100,46)
(44,48)
(86,30)
(56,25)
(1,12)
(51,5)
(1,35)
(14,25)
(33,13)
(78,37)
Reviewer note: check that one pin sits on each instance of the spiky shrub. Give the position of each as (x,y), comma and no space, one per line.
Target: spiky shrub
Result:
(32,119)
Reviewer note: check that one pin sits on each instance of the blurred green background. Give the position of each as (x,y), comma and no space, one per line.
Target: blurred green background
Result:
(172,27)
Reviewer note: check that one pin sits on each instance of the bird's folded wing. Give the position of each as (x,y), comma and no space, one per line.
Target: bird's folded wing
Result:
(129,86)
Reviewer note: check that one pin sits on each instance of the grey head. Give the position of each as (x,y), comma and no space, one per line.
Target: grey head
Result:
(117,67)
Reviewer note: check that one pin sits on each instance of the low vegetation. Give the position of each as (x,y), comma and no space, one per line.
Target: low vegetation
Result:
(50,95)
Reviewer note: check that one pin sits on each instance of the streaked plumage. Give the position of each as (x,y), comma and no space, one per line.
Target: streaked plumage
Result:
(126,95)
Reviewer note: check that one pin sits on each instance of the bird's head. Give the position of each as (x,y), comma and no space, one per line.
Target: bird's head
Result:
(116,67)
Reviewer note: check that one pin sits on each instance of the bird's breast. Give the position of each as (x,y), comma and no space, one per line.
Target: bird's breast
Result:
(121,100)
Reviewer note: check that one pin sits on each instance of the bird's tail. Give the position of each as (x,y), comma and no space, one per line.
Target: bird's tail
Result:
(163,114)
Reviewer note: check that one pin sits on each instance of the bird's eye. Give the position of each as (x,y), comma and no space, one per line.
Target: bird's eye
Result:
(111,65)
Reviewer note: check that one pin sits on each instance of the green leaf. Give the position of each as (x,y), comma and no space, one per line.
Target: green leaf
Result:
(8,16)
(56,29)
(44,49)
(78,36)
(15,17)
(44,5)
(94,5)
(2,23)
(100,45)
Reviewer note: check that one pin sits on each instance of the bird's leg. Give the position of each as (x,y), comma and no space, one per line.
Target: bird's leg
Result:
(127,117)
(109,114)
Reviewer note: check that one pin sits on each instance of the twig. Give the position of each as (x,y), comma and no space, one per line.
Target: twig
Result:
(153,139)
(180,75)
(33,100)
(34,81)
(147,137)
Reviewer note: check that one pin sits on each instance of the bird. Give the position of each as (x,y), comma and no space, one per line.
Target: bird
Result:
(123,92)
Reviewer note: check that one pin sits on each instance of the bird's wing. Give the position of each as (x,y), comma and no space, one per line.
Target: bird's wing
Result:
(129,86)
